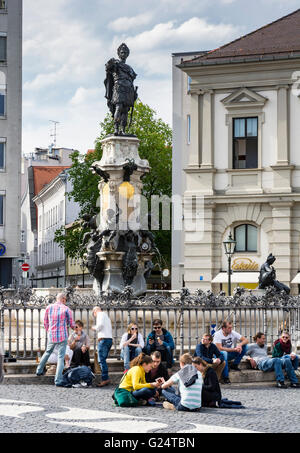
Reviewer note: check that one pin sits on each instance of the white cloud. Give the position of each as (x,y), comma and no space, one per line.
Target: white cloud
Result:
(195,32)
(126,23)
(83,95)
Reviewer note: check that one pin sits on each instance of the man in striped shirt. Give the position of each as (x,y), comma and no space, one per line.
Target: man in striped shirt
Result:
(58,317)
(190,387)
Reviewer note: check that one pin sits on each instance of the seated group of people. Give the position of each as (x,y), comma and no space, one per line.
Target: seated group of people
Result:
(132,343)
(228,345)
(198,379)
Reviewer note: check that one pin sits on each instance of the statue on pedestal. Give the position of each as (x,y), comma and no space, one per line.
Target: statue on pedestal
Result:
(267,276)
(120,91)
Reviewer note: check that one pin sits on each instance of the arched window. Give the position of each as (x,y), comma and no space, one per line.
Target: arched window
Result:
(246,238)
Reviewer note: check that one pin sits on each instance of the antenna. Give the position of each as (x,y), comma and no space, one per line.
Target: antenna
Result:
(54,135)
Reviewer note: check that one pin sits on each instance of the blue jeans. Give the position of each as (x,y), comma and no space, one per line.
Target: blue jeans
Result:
(128,354)
(276,364)
(103,351)
(60,360)
(144,393)
(236,356)
(171,396)
(295,362)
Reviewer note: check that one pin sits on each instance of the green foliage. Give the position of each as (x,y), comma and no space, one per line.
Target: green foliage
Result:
(155,145)
(71,240)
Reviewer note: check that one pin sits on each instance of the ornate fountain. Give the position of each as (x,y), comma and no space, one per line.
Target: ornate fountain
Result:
(119,246)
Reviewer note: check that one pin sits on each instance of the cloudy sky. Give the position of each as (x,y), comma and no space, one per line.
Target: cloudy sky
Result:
(66,44)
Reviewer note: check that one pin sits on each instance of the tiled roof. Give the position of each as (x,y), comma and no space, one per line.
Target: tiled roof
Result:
(44,175)
(277,39)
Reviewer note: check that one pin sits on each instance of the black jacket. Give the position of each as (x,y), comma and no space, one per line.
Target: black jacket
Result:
(211,389)
(161,372)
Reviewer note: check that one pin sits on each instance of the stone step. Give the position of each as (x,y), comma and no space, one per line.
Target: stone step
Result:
(244,377)
(29,366)
(23,372)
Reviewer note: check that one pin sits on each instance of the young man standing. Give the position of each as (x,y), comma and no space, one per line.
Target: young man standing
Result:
(232,346)
(56,321)
(104,332)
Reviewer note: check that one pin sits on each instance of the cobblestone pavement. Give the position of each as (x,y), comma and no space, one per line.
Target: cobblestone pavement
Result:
(40,408)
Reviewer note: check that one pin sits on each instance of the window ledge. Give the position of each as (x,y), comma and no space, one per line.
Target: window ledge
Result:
(243,170)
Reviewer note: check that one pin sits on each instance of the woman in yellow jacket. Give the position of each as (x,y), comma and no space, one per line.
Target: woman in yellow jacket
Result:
(135,381)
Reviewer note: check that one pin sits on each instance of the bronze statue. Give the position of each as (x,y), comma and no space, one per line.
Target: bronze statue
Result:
(267,276)
(120,92)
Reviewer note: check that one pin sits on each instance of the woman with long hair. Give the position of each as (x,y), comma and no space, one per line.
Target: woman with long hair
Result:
(131,344)
(135,380)
(211,392)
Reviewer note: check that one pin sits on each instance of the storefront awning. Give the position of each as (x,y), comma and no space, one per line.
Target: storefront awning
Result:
(237,277)
(296,279)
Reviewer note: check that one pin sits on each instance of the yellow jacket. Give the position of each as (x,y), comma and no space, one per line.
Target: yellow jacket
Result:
(135,379)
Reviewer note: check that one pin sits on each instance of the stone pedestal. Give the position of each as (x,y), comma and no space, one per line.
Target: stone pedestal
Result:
(126,248)
(119,152)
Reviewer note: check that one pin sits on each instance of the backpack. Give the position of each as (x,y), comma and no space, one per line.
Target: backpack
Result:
(75,375)
(124,398)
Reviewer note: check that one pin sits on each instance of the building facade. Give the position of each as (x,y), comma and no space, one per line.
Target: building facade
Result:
(10,136)
(39,168)
(236,153)
(54,210)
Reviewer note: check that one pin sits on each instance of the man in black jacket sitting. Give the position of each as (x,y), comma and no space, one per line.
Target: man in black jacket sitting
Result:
(209,352)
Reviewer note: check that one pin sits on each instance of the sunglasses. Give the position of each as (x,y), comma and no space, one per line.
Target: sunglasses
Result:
(156,327)
(285,338)
(134,328)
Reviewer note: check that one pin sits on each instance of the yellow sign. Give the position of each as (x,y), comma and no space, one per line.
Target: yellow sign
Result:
(244,264)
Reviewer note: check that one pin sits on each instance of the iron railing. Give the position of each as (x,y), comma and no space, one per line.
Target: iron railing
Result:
(187,316)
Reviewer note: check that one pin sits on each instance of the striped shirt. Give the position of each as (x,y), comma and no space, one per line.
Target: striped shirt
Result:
(57,319)
(190,396)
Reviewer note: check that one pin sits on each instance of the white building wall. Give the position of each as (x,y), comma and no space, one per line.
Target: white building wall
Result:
(54,211)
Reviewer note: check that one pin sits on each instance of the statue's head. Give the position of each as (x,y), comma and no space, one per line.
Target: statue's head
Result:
(123,51)
(271,259)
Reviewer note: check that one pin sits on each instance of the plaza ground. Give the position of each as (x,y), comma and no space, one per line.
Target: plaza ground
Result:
(47,409)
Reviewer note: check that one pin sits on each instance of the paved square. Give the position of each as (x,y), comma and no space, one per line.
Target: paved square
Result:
(42,408)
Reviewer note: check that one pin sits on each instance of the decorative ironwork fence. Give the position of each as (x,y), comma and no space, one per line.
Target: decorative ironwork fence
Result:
(187,316)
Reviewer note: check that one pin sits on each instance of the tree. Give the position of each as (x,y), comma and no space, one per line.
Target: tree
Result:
(155,145)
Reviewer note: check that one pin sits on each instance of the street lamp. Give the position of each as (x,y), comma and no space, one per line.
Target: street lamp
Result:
(229,247)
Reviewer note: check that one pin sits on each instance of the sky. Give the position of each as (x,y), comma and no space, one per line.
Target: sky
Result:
(66,44)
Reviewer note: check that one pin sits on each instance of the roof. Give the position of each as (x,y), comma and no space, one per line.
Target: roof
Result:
(44,175)
(277,40)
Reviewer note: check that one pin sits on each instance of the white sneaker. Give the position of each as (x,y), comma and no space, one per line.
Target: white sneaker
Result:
(168,405)
(77,386)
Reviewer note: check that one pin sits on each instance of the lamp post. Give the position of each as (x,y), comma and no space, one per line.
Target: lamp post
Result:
(229,247)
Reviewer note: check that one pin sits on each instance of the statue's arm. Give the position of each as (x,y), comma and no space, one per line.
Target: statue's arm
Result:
(111,65)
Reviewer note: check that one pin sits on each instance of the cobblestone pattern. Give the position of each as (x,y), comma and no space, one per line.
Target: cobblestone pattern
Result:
(267,410)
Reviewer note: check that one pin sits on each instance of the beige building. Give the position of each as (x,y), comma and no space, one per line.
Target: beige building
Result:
(236,115)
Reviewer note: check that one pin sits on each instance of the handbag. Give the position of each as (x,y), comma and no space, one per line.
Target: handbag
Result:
(124,398)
